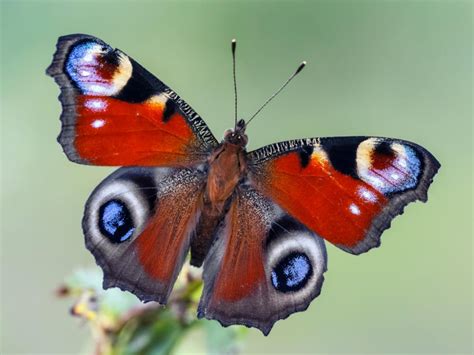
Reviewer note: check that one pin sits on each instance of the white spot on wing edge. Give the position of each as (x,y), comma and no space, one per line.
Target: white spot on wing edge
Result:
(98,123)
(354,209)
(96,104)
(367,195)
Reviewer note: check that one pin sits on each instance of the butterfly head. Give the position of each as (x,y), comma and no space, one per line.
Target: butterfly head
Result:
(237,135)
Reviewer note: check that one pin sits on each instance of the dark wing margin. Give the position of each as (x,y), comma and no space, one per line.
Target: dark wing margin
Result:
(346,189)
(114,109)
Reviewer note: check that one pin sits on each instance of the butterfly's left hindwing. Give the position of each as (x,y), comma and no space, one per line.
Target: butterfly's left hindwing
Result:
(116,113)
(138,223)
(263,266)
(345,189)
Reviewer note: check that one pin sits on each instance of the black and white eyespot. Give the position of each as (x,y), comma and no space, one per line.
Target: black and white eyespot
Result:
(116,212)
(296,260)
(119,208)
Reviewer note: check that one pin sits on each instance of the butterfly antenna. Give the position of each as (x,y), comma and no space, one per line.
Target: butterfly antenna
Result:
(234,46)
(301,66)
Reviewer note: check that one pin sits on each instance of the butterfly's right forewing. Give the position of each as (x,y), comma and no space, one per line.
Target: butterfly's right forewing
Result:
(345,189)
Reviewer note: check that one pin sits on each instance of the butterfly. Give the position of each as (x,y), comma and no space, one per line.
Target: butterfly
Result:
(255,221)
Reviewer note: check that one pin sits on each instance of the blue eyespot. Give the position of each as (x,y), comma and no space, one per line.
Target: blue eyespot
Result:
(86,64)
(115,221)
(292,272)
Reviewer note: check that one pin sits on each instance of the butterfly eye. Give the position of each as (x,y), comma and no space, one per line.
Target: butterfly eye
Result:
(292,273)
(115,221)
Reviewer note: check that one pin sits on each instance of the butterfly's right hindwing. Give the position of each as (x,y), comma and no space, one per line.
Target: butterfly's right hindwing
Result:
(263,267)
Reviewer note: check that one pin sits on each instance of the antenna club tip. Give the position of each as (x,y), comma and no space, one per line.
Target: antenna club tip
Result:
(234,40)
(233,44)
(302,65)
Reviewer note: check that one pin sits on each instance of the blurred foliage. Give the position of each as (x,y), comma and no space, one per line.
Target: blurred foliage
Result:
(121,324)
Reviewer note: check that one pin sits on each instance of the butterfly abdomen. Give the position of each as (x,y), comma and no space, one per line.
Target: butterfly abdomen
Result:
(204,234)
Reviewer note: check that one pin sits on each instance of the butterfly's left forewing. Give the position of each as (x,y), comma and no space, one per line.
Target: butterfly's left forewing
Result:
(116,113)
(345,189)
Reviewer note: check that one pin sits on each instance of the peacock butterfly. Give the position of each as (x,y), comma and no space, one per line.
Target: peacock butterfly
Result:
(255,220)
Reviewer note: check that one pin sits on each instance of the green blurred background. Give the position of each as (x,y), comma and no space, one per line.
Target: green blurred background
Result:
(389,68)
